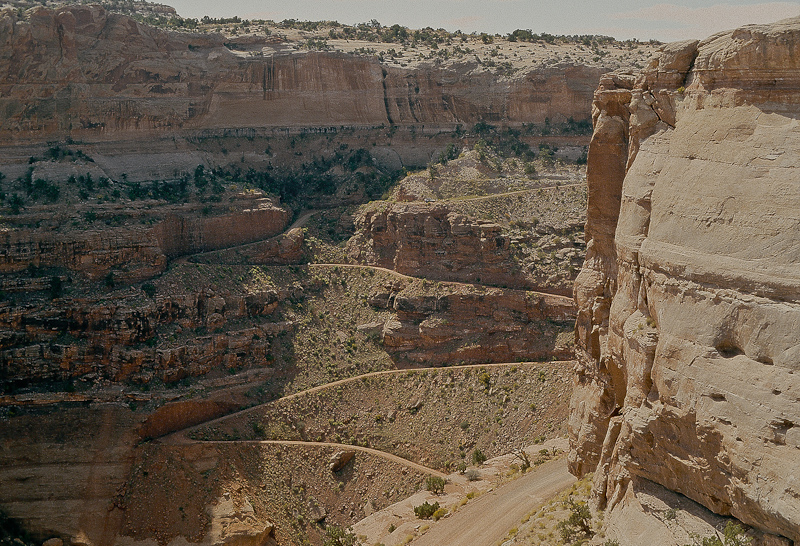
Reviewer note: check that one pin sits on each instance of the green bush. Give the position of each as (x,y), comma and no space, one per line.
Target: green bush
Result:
(435,484)
(478,457)
(578,524)
(336,536)
(733,535)
(16,203)
(426,510)
(56,287)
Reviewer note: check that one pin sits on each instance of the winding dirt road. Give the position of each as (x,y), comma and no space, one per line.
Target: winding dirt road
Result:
(488,519)
(181,436)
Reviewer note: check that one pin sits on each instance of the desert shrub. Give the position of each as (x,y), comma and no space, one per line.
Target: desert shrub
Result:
(16,203)
(426,510)
(478,457)
(435,484)
(439,514)
(578,524)
(56,287)
(336,536)
(733,535)
(451,152)
(149,289)
(525,462)
(473,475)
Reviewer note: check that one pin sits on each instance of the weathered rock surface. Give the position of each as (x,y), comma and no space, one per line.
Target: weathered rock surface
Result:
(286,248)
(689,300)
(109,339)
(135,252)
(470,324)
(81,71)
(429,240)
(340,459)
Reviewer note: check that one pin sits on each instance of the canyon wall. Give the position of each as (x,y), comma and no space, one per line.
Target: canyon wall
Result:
(689,300)
(427,239)
(134,251)
(81,72)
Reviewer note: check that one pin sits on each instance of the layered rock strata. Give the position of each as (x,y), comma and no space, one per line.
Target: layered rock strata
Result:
(113,339)
(470,324)
(429,240)
(83,72)
(137,251)
(688,303)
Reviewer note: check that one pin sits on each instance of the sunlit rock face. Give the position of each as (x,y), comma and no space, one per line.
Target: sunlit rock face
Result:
(84,72)
(689,301)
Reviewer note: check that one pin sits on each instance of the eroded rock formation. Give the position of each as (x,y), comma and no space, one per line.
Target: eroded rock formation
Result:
(429,240)
(135,251)
(436,325)
(83,72)
(688,303)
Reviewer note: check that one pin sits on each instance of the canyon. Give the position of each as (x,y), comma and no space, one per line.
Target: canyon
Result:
(176,214)
(254,293)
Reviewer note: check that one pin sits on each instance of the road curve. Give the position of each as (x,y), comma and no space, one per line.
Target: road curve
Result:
(509,193)
(486,520)
(179,435)
(343,447)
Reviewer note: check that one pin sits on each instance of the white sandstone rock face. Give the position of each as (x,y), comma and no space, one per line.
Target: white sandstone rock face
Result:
(689,303)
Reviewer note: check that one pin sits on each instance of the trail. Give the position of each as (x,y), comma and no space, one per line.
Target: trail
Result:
(509,193)
(179,436)
(343,447)
(303,219)
(486,520)
(564,299)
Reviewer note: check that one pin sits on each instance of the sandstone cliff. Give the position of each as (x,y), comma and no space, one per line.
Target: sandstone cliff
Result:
(429,240)
(87,73)
(133,252)
(688,301)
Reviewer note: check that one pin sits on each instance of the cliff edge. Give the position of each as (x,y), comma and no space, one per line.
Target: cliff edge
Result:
(689,300)
(82,72)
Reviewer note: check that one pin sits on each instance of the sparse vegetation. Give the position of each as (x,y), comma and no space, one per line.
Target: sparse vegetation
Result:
(478,457)
(426,510)
(732,535)
(336,536)
(578,524)
(435,484)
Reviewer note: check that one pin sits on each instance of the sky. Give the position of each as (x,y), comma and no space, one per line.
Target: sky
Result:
(622,19)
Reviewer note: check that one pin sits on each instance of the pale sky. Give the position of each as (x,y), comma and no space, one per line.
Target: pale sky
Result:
(622,19)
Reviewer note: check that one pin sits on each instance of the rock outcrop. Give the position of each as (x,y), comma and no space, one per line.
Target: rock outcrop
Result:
(84,72)
(134,252)
(429,240)
(445,323)
(689,300)
(114,339)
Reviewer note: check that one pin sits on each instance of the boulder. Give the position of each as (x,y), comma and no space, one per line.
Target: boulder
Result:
(340,459)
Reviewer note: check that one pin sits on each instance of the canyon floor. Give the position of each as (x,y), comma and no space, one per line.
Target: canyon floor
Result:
(279,354)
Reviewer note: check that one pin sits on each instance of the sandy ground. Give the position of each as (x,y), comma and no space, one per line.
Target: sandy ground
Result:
(499,503)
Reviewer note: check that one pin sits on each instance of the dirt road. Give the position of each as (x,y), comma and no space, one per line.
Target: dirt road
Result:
(487,520)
